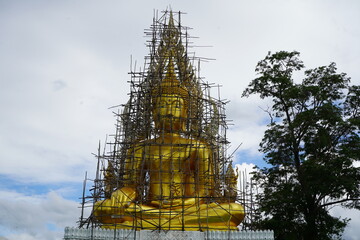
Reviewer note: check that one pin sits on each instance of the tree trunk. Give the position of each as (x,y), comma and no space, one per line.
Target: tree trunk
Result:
(310,218)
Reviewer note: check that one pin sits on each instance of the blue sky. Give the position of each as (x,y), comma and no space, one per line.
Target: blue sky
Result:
(64,63)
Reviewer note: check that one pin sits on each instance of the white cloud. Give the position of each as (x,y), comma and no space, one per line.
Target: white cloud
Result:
(245,173)
(352,231)
(249,123)
(41,217)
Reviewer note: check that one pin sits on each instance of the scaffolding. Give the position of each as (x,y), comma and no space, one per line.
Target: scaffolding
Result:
(127,160)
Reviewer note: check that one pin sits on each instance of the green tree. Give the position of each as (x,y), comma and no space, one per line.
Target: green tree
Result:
(310,147)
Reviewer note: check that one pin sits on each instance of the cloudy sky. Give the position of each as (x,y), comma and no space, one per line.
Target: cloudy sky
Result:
(64,63)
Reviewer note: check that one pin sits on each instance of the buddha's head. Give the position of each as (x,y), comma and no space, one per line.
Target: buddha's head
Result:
(170,103)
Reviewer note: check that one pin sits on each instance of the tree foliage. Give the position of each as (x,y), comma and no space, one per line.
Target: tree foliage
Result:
(310,146)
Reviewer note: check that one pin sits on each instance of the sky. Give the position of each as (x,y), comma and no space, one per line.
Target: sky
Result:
(63,64)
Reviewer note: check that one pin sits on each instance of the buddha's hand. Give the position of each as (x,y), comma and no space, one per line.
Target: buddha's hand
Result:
(123,197)
(119,201)
(174,202)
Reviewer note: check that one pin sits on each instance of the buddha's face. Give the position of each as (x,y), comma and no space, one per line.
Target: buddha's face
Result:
(169,112)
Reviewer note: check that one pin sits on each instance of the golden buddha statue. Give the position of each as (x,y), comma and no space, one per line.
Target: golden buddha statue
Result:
(180,171)
(176,171)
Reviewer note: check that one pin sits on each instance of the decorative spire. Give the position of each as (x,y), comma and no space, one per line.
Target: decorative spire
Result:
(171,20)
(231,183)
(171,37)
(170,47)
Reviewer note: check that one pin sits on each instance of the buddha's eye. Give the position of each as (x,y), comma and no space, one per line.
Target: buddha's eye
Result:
(161,104)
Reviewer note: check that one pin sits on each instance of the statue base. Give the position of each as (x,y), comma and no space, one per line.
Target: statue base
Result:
(124,234)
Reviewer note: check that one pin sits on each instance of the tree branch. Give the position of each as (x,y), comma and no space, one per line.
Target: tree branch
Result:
(269,113)
(339,201)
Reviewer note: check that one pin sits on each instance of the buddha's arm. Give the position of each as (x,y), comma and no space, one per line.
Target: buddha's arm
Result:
(204,171)
(134,166)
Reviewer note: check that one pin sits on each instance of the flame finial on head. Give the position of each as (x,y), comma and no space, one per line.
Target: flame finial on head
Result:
(170,84)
